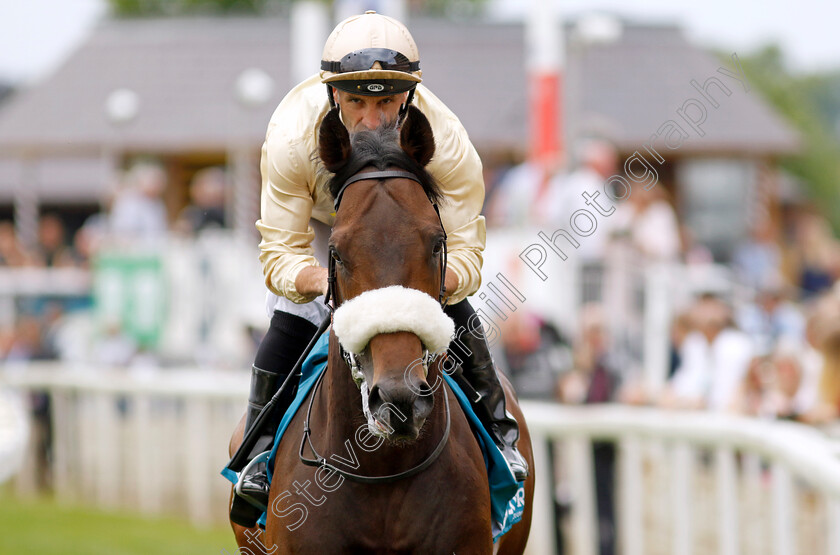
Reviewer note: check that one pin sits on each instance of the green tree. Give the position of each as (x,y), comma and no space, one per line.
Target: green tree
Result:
(156,8)
(811,104)
(159,8)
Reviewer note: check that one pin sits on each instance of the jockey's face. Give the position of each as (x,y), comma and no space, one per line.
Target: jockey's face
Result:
(368,112)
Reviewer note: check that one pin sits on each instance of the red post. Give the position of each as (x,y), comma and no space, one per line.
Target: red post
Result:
(546,116)
(544,55)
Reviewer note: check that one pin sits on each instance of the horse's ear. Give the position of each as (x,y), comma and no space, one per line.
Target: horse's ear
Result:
(416,137)
(333,141)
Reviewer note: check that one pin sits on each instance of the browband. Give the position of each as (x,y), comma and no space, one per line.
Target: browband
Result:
(373,175)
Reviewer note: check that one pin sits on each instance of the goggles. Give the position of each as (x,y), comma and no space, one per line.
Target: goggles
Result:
(365,59)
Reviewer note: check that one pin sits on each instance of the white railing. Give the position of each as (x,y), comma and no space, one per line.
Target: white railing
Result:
(151,441)
(687,483)
(14,432)
(692,482)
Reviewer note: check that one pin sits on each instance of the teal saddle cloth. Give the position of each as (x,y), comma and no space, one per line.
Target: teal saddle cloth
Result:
(507,496)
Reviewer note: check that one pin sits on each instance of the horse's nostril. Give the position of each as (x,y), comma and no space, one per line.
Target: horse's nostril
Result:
(374,398)
(424,389)
(423,406)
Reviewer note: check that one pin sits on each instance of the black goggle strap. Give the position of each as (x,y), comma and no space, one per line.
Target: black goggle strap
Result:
(365,59)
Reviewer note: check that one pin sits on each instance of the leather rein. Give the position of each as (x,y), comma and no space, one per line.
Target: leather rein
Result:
(331,295)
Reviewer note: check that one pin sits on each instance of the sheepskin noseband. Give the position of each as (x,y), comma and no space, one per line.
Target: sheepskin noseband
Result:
(388,310)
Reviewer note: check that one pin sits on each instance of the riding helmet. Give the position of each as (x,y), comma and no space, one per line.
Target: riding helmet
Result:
(371,55)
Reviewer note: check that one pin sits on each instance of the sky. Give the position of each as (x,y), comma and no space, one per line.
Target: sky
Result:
(806,29)
(36,35)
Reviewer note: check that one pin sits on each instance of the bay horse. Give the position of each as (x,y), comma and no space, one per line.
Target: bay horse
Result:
(421,488)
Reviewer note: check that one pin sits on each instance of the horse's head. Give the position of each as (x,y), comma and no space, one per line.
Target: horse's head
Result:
(387,251)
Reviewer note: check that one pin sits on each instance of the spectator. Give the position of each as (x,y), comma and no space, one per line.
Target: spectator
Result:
(12,253)
(28,342)
(715,358)
(648,221)
(749,399)
(770,386)
(114,348)
(783,401)
(828,404)
(759,258)
(694,253)
(536,355)
(88,239)
(817,251)
(52,249)
(597,160)
(772,318)
(594,380)
(823,333)
(811,359)
(138,213)
(519,194)
(207,203)
(679,331)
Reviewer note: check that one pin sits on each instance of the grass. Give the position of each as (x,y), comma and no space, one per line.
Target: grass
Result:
(44,526)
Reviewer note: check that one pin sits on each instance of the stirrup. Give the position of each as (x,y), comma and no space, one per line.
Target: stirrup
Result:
(516,463)
(249,470)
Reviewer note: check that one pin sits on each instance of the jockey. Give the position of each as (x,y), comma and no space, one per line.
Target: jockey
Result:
(371,68)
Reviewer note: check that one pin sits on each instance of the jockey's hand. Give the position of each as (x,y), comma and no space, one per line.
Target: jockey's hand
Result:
(312,281)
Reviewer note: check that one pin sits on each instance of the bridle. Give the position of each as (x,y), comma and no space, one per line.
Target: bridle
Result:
(382,175)
(331,300)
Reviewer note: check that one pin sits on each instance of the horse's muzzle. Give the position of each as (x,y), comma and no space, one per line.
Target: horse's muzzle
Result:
(400,410)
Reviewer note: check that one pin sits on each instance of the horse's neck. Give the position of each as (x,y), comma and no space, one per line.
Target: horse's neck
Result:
(342,417)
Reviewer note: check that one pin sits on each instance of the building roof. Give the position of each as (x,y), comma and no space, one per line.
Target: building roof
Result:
(626,89)
(184,73)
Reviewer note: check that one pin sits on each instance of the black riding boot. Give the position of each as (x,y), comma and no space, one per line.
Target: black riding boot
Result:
(280,349)
(253,480)
(488,397)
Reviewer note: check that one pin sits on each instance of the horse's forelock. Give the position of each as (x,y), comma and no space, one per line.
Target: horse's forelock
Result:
(380,148)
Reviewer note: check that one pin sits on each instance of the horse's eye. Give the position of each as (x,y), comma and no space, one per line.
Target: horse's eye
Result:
(438,247)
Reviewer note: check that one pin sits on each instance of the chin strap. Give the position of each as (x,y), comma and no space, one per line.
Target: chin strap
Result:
(330,96)
(406,104)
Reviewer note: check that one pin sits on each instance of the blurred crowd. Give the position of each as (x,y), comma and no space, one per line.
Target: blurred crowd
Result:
(763,342)
(135,215)
(769,351)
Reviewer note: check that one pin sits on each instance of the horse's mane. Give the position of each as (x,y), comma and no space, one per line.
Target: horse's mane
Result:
(380,148)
